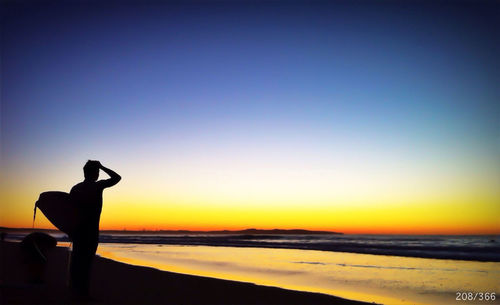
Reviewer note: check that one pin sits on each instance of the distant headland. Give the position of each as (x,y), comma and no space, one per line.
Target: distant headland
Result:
(237,232)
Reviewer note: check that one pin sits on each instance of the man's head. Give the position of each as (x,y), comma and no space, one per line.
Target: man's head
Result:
(91,170)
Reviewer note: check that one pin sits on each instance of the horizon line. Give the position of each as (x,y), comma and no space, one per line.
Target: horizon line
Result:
(255,229)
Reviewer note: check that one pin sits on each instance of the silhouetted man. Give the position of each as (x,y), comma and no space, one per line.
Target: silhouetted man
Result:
(88,197)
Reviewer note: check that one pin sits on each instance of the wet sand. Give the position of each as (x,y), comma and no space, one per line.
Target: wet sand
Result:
(119,283)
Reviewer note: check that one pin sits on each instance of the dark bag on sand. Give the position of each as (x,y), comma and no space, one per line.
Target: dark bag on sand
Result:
(60,210)
(36,244)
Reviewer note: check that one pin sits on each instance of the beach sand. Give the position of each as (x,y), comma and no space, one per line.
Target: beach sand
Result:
(118,283)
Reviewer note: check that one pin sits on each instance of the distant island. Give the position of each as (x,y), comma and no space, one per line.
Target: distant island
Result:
(237,232)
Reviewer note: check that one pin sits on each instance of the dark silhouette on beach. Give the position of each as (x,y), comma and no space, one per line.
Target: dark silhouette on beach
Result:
(34,248)
(87,196)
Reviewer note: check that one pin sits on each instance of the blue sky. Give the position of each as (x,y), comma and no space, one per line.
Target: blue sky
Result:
(394,83)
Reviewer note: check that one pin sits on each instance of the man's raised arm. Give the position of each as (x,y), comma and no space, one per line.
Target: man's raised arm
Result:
(114,177)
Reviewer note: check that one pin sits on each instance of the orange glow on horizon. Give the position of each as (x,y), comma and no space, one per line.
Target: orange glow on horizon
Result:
(435,230)
(135,206)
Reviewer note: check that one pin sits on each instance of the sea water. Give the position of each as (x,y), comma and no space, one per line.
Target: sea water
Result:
(469,247)
(382,279)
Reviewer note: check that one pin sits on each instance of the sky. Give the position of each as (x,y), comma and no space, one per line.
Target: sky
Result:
(349,116)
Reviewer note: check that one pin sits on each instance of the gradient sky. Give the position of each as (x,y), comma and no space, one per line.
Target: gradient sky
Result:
(352,116)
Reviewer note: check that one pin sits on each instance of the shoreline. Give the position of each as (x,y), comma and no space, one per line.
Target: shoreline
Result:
(114,282)
(490,253)
(417,252)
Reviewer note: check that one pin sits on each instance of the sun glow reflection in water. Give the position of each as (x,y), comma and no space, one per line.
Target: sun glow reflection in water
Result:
(372,278)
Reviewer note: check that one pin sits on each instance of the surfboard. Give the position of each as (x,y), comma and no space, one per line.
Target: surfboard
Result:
(59,210)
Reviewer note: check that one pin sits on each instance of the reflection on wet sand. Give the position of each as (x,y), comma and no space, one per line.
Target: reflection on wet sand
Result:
(373,278)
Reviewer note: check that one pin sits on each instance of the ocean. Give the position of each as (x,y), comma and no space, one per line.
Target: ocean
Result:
(478,248)
(386,269)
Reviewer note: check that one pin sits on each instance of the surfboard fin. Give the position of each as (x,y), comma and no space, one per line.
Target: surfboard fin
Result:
(34,215)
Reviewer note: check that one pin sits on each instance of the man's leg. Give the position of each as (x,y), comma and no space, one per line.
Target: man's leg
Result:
(87,259)
(81,263)
(75,268)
